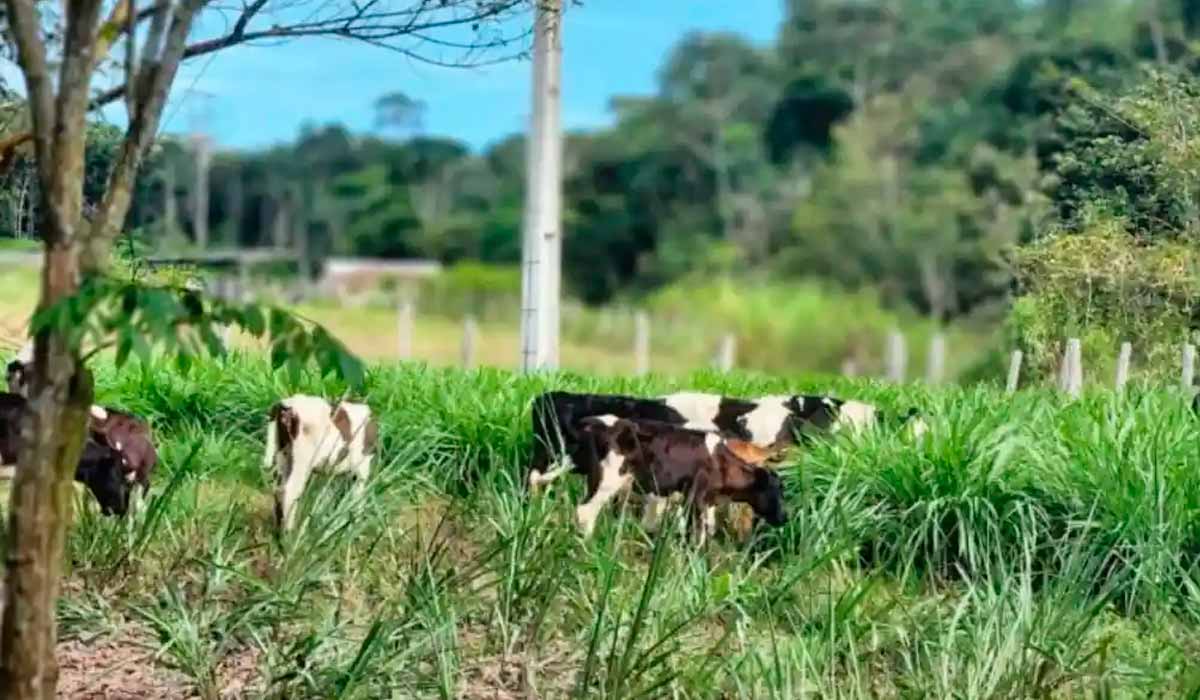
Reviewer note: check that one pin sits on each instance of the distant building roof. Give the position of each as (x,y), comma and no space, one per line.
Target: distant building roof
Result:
(346,276)
(410,267)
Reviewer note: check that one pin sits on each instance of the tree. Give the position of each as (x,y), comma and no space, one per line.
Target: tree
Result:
(396,110)
(79,303)
(715,88)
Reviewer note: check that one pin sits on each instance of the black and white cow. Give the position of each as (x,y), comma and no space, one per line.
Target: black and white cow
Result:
(768,421)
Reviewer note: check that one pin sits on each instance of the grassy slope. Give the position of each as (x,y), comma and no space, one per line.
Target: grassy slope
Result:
(1026,548)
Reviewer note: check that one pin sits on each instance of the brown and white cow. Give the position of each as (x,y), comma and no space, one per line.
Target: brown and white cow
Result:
(305,434)
(123,432)
(101,468)
(661,459)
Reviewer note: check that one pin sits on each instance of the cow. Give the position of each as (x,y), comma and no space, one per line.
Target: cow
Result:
(664,459)
(769,422)
(555,415)
(129,436)
(18,375)
(101,468)
(304,433)
(120,430)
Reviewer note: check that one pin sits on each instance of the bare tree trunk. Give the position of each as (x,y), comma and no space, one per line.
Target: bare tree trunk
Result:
(52,432)
(1154,19)
(52,439)
(41,494)
(200,191)
(170,209)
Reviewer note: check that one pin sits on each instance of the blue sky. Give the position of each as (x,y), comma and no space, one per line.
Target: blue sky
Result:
(256,96)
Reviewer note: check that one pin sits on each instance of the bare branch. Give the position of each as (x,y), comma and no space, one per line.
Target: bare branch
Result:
(403,31)
(65,197)
(130,54)
(31,54)
(154,82)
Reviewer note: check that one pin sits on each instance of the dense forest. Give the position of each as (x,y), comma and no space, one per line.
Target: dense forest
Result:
(928,150)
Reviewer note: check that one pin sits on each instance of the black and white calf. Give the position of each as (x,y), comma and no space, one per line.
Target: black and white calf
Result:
(304,434)
(661,460)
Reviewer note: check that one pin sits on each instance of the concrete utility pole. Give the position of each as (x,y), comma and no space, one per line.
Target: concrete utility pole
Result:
(203,150)
(542,236)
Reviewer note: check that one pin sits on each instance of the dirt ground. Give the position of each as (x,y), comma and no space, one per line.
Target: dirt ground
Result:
(115,670)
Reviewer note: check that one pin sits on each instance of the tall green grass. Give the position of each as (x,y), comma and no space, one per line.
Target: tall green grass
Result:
(1026,547)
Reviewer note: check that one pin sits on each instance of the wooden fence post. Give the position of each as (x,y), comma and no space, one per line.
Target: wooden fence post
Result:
(1076,368)
(470,331)
(896,357)
(1188,373)
(641,343)
(405,317)
(1123,359)
(727,356)
(1071,374)
(935,364)
(1014,371)
(849,367)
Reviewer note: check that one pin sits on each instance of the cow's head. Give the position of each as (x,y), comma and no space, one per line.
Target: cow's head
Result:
(766,497)
(18,378)
(607,432)
(103,470)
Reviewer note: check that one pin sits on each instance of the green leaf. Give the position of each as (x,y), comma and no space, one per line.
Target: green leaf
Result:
(351,369)
(278,323)
(293,370)
(141,347)
(252,321)
(124,346)
(279,354)
(183,360)
(211,341)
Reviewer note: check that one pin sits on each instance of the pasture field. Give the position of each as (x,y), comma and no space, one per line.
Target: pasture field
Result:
(1027,547)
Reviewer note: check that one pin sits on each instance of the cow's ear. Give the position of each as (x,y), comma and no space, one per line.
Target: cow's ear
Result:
(341,421)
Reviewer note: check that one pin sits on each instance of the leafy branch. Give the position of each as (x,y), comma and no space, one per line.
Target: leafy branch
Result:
(135,317)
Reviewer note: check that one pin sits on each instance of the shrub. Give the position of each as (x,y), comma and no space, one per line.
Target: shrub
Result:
(1104,286)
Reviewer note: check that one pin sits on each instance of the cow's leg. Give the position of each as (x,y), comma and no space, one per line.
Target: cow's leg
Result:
(538,478)
(292,490)
(609,484)
(652,512)
(135,498)
(700,509)
(295,477)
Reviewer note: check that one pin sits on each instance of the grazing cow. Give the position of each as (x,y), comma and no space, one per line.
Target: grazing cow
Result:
(770,422)
(124,432)
(764,422)
(101,468)
(130,437)
(18,371)
(664,459)
(304,433)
